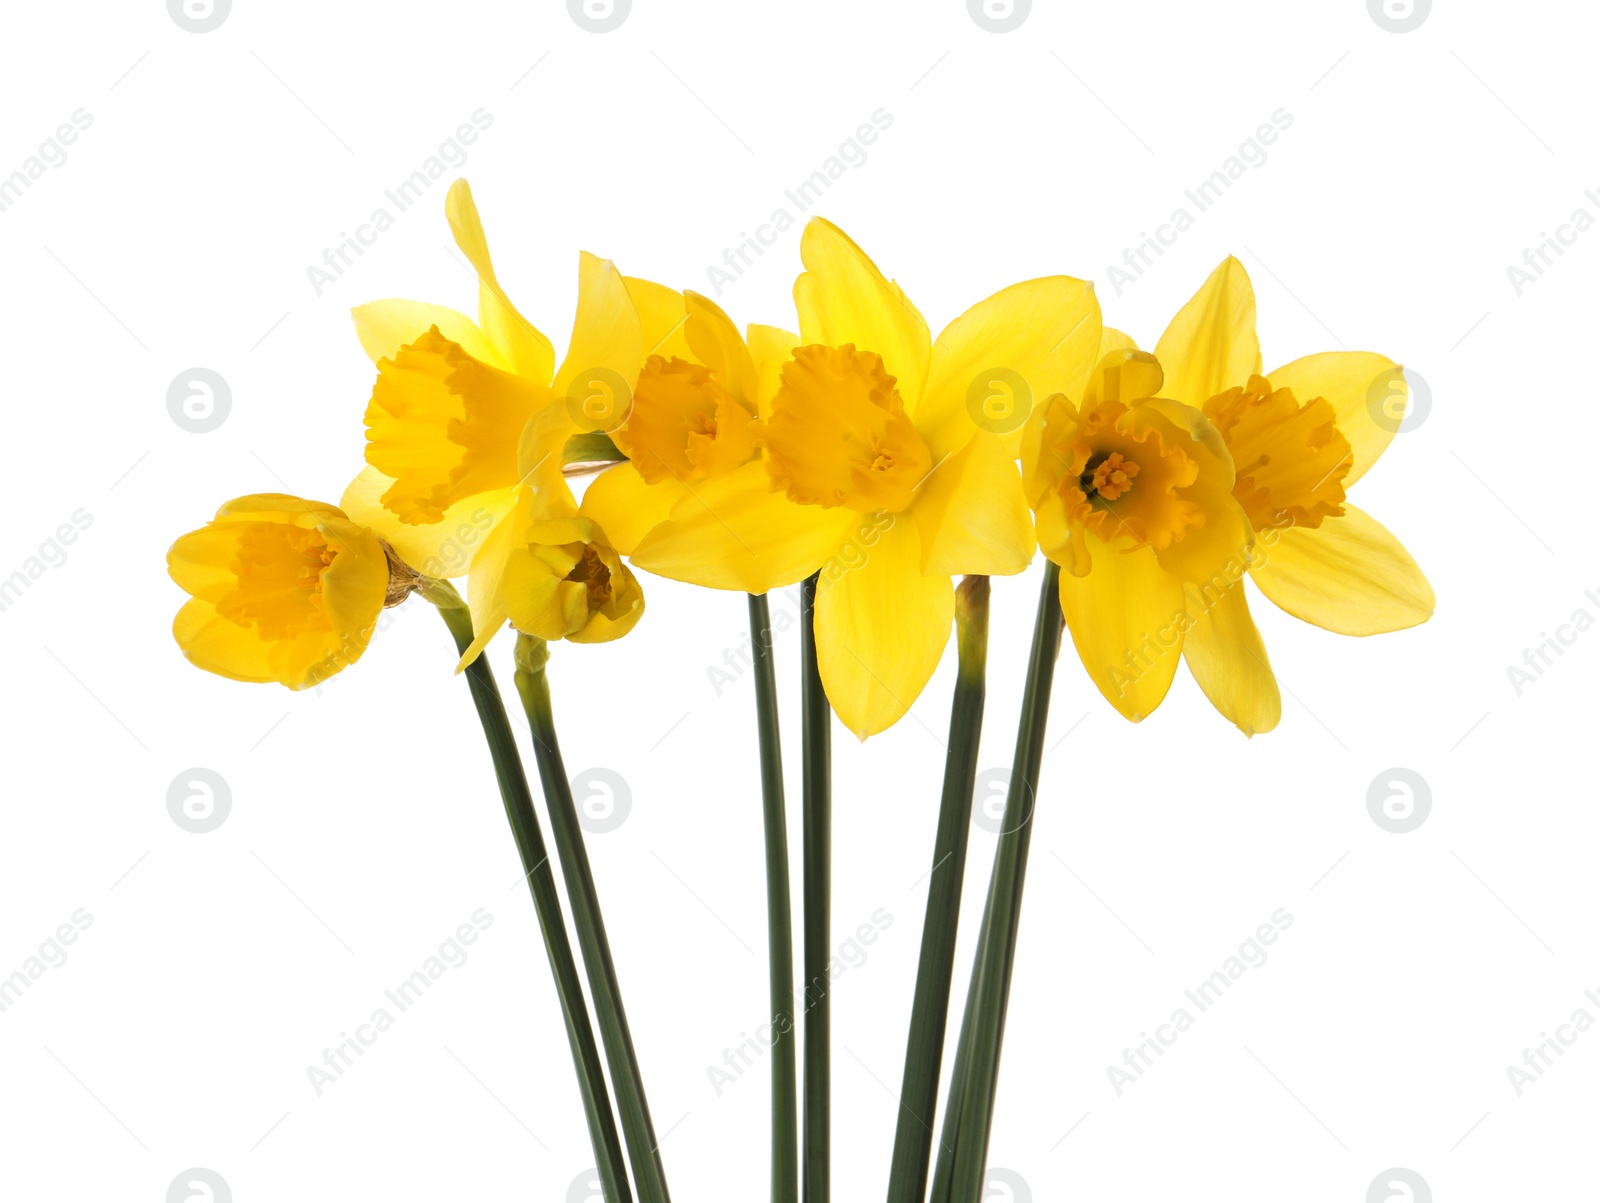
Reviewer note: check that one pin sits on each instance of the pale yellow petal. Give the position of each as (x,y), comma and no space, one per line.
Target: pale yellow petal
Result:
(607,345)
(662,317)
(525,350)
(972,515)
(716,344)
(1349,576)
(734,532)
(1355,383)
(1115,340)
(881,628)
(1126,617)
(842,297)
(438,549)
(1005,355)
(1225,653)
(770,348)
(385,326)
(1211,345)
(626,507)
(486,595)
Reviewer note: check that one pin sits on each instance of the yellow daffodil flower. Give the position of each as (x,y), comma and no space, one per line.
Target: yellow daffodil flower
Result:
(1299,437)
(281,589)
(1133,496)
(446,425)
(883,466)
(694,412)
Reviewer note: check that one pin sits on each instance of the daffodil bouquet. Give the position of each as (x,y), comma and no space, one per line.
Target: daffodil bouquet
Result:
(873,465)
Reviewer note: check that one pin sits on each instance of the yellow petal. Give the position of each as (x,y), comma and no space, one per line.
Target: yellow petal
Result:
(881,628)
(842,297)
(734,532)
(770,348)
(438,549)
(1211,344)
(486,596)
(716,344)
(607,338)
(1349,576)
(1016,348)
(662,316)
(385,326)
(218,646)
(1126,617)
(1346,379)
(1115,340)
(972,515)
(626,507)
(1225,653)
(525,350)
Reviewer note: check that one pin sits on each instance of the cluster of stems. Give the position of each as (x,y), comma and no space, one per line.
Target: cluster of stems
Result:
(630,1161)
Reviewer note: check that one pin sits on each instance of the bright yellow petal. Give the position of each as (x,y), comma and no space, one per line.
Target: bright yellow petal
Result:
(716,344)
(1115,340)
(486,595)
(438,549)
(842,297)
(1346,379)
(1225,653)
(606,334)
(734,532)
(1211,344)
(1016,348)
(662,316)
(1349,576)
(1126,618)
(972,515)
(770,348)
(626,507)
(525,350)
(881,628)
(385,326)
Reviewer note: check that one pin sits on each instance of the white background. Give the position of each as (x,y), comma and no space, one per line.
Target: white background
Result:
(365,827)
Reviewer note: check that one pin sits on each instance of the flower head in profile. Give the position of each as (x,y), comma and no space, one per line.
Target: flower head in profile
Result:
(281,589)
(1133,497)
(455,404)
(1299,436)
(875,470)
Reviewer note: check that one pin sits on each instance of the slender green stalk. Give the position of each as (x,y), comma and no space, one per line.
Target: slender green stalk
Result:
(780,937)
(959,1174)
(930,1000)
(816,822)
(546,901)
(643,1154)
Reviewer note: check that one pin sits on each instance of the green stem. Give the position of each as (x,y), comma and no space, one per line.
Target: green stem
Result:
(546,901)
(643,1154)
(816,823)
(959,1176)
(780,938)
(930,1000)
